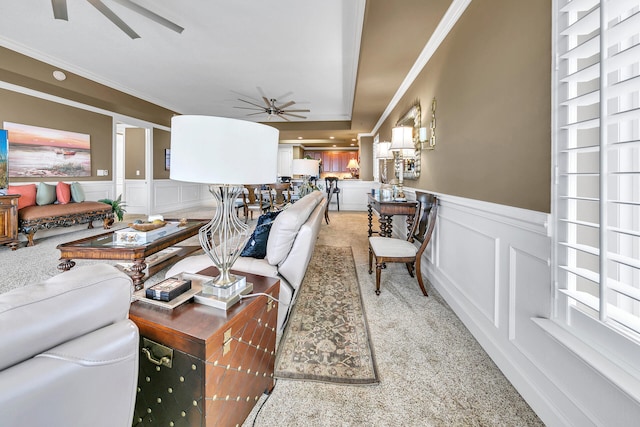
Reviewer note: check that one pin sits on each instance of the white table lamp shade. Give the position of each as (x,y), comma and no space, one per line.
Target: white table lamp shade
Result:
(402,140)
(305,167)
(383,150)
(219,150)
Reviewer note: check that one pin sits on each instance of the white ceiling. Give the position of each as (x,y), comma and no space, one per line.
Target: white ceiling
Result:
(228,49)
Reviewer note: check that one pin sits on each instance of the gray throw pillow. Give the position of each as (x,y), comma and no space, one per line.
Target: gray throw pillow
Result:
(77,193)
(45,194)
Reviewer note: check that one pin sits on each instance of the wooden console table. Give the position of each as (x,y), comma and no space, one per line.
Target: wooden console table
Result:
(9,221)
(387,209)
(217,364)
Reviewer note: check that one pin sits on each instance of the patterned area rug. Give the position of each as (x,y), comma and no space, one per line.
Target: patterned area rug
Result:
(327,338)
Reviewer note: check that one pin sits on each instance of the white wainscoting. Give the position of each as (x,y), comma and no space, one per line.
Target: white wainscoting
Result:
(491,263)
(170,195)
(353,194)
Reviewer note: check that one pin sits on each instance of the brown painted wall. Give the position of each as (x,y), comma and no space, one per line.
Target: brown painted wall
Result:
(28,72)
(23,109)
(161,141)
(23,71)
(492,80)
(366,158)
(134,147)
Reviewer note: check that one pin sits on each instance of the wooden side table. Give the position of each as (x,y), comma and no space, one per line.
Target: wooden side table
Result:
(9,221)
(387,209)
(221,362)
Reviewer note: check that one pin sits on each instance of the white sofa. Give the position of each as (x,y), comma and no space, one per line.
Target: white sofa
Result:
(289,248)
(69,352)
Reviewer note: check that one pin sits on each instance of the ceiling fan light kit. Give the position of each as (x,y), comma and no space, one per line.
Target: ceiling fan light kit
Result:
(60,12)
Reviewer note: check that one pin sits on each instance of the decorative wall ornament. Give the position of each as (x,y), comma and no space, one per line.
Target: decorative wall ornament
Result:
(432,125)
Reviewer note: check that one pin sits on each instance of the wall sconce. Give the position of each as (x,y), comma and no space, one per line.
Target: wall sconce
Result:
(422,136)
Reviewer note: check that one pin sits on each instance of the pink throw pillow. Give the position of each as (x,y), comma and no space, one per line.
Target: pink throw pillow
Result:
(27,194)
(63,193)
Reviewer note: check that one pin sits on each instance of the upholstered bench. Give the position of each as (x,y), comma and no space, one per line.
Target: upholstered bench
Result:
(34,218)
(45,206)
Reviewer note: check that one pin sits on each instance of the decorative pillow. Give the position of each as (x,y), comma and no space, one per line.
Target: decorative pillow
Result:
(63,193)
(46,194)
(285,228)
(77,193)
(257,245)
(27,194)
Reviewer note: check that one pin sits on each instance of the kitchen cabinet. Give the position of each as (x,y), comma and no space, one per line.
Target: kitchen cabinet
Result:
(333,161)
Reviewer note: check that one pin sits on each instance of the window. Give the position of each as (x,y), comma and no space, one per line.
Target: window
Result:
(597,167)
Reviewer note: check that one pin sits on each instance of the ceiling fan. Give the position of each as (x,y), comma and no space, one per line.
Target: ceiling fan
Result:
(271,107)
(60,12)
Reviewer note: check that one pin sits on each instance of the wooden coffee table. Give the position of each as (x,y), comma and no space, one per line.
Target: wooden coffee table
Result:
(103,246)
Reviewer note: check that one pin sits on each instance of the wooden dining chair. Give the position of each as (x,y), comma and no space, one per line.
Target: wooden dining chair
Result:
(255,200)
(390,249)
(331,182)
(279,195)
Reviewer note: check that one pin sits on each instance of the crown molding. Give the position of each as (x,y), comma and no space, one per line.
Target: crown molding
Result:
(456,9)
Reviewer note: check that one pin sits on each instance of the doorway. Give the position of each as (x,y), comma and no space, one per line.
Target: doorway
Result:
(132,170)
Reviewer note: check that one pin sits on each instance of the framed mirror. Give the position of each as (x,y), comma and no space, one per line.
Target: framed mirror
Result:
(412,118)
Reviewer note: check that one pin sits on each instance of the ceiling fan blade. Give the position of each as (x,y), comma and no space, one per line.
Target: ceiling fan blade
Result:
(292,115)
(285,105)
(255,114)
(297,111)
(249,102)
(102,8)
(285,95)
(261,92)
(251,108)
(150,15)
(266,101)
(60,9)
(283,117)
(242,95)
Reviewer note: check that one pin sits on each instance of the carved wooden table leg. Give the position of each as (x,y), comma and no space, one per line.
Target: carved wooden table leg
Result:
(66,265)
(386,225)
(138,275)
(370,215)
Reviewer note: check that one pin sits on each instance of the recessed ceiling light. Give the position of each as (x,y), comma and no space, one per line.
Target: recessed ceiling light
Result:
(299,137)
(332,137)
(334,145)
(353,145)
(353,139)
(59,75)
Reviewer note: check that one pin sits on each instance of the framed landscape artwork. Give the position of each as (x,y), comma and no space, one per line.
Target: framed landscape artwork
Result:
(43,152)
(4,176)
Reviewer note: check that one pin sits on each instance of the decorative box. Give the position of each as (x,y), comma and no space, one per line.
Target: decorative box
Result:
(129,236)
(168,289)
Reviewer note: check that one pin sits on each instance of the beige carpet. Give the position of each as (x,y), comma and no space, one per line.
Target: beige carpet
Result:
(327,337)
